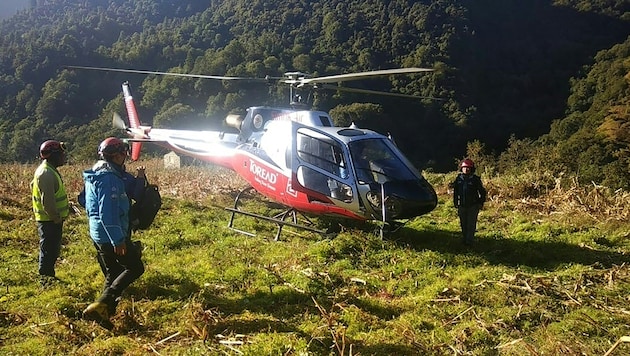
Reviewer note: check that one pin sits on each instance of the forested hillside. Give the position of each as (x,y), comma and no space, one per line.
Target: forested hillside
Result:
(530,84)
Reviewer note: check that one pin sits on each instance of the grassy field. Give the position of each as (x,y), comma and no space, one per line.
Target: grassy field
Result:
(548,275)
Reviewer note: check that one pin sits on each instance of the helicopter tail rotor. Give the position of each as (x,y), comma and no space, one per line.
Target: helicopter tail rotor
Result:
(118,122)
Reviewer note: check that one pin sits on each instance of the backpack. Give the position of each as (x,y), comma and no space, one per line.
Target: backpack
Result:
(142,213)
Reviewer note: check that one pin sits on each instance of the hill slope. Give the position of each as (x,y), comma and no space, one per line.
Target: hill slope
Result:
(508,65)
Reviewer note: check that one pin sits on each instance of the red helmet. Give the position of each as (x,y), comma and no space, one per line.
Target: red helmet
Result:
(49,147)
(467,163)
(112,145)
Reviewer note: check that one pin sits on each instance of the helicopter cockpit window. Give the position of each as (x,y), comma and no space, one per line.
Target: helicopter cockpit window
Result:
(323,153)
(375,161)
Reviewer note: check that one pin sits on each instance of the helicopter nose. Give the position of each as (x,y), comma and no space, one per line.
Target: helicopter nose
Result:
(403,199)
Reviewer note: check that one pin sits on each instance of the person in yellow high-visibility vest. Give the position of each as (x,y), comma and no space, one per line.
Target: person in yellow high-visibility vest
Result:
(50,204)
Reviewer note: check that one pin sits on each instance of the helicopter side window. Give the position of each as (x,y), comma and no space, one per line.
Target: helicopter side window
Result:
(322,153)
(323,184)
(331,167)
(325,121)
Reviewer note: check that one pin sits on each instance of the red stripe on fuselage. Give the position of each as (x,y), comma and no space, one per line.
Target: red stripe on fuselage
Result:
(272,182)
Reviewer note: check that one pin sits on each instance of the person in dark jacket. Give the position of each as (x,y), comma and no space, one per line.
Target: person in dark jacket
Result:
(50,205)
(107,207)
(468,197)
(134,186)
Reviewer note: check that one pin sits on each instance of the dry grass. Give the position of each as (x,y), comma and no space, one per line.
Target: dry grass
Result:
(565,197)
(594,201)
(203,183)
(194,183)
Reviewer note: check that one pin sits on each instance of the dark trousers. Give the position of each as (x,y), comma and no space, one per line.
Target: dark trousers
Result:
(49,246)
(120,271)
(468,222)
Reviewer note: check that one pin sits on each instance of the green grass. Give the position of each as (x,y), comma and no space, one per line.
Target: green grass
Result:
(535,283)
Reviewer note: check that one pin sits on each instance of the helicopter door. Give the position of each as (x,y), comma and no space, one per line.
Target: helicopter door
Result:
(320,164)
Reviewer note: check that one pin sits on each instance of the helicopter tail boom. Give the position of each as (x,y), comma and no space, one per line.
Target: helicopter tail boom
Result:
(134,122)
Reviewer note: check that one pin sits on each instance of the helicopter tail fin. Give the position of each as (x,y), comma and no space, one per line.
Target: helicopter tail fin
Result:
(134,122)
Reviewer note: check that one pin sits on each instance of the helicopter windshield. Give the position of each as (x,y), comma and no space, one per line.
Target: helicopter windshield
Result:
(375,161)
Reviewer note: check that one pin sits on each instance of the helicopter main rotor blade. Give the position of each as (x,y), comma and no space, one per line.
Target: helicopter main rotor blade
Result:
(166,73)
(361,75)
(376,92)
(294,78)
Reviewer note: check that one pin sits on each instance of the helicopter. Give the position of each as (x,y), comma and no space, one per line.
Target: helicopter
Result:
(298,158)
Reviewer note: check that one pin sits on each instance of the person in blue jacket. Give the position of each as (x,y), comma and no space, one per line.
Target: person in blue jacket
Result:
(134,187)
(107,207)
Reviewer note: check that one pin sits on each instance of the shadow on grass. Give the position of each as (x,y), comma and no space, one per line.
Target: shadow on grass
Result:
(157,285)
(505,251)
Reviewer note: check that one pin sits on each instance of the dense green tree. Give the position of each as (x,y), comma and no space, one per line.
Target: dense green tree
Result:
(361,114)
(175,116)
(591,140)
(504,71)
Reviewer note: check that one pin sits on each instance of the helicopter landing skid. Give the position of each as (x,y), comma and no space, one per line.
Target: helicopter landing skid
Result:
(388,227)
(278,219)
